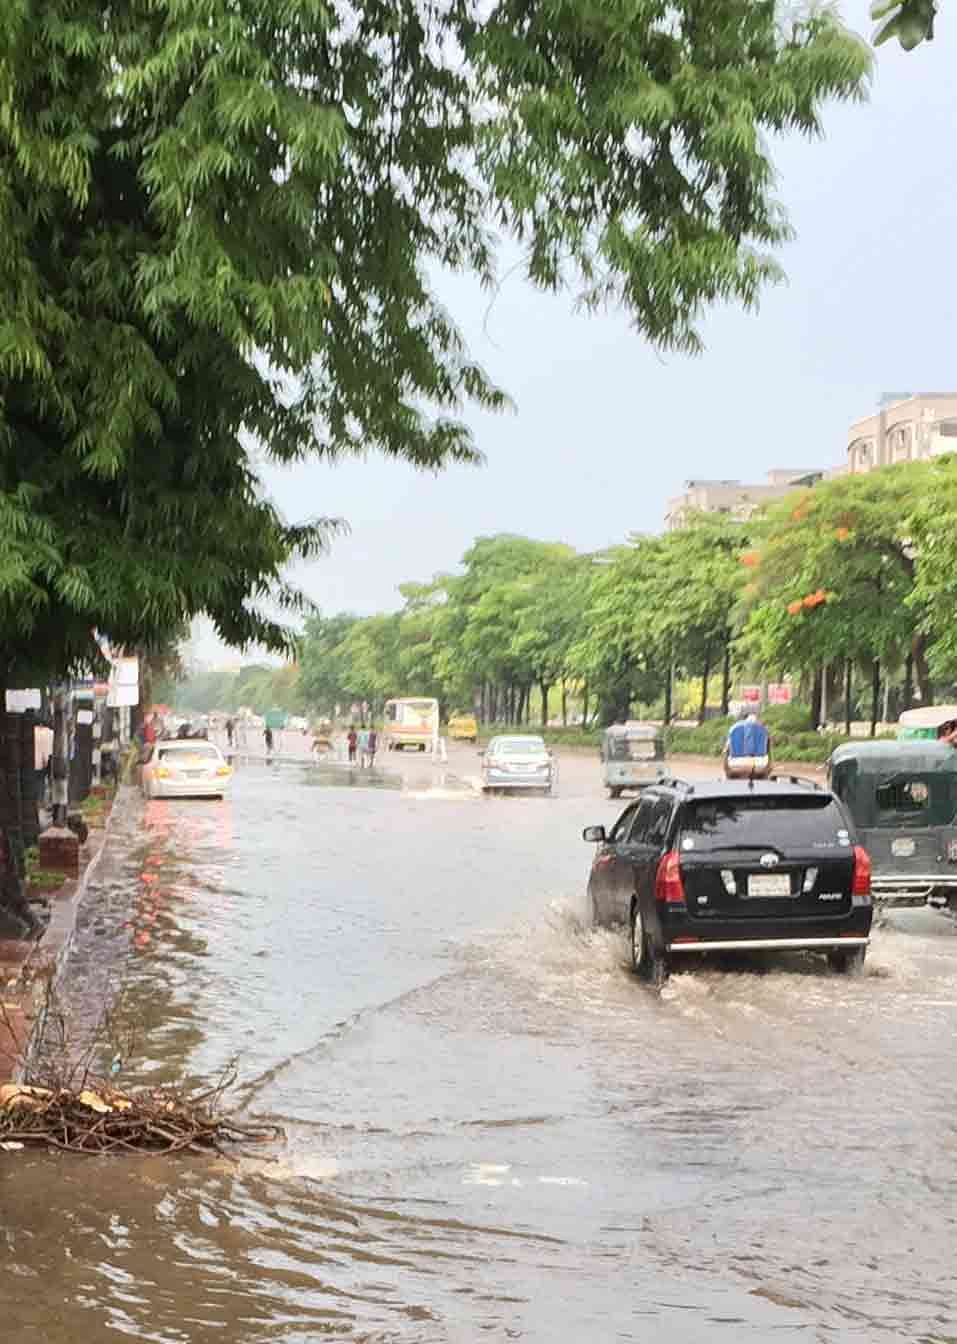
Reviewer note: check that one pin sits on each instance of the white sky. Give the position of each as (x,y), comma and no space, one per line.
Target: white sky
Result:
(607,431)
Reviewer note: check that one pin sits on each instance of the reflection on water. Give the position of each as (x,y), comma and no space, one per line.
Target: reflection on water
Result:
(492,1129)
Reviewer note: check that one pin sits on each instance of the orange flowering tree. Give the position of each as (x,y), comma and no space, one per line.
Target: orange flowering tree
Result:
(835,576)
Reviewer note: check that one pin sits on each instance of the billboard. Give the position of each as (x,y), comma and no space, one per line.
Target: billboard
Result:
(779,693)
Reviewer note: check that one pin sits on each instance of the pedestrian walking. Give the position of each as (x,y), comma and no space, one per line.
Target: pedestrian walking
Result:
(352,741)
(363,747)
(230,731)
(267,738)
(371,746)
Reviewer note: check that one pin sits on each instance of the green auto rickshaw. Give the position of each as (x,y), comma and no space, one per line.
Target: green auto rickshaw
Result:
(926,724)
(632,755)
(902,798)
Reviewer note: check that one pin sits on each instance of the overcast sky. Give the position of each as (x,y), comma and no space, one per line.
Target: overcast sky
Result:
(606,430)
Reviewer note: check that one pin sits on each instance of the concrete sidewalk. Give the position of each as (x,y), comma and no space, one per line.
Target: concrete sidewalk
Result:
(29,968)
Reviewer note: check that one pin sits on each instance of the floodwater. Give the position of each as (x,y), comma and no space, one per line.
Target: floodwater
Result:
(492,1130)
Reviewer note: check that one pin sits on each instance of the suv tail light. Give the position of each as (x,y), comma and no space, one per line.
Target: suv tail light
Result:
(669,889)
(861,885)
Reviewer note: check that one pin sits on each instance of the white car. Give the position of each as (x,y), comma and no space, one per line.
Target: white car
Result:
(518,763)
(186,769)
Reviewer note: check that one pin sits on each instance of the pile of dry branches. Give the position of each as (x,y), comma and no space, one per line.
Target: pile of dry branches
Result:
(96,1118)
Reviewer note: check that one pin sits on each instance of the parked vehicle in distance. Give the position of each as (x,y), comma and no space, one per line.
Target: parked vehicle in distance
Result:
(463,727)
(902,797)
(519,762)
(632,755)
(412,722)
(731,865)
(186,768)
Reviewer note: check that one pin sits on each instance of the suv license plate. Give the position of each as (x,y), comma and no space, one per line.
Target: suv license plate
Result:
(769,884)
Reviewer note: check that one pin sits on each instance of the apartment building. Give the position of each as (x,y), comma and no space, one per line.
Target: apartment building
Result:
(735,498)
(908,429)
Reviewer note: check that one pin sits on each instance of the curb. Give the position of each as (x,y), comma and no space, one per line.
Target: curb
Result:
(29,970)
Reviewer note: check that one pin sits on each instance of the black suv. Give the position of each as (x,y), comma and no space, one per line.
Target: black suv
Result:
(733,865)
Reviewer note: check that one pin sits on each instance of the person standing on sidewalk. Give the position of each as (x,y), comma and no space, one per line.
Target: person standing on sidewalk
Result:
(230,731)
(372,742)
(267,738)
(352,741)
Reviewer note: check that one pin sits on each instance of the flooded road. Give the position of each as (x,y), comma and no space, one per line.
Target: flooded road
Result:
(492,1130)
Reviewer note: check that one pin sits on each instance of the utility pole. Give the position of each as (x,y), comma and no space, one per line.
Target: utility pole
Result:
(61,762)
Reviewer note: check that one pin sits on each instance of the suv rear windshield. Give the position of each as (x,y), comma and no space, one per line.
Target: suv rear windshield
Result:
(795,822)
(199,749)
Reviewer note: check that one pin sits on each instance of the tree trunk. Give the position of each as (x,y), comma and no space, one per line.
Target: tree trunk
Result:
(825,673)
(848,668)
(585,707)
(875,695)
(16,918)
(908,689)
(922,670)
(669,692)
(564,703)
(702,710)
(817,695)
(726,681)
(544,687)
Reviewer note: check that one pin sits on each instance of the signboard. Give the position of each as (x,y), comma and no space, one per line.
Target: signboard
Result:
(751,695)
(779,693)
(84,716)
(18,702)
(275,719)
(124,683)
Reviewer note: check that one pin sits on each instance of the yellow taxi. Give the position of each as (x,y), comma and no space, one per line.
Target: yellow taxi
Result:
(463,727)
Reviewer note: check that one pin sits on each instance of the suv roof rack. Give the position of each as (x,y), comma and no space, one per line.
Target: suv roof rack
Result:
(796,779)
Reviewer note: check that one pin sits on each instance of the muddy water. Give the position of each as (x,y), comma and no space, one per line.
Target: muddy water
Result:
(492,1130)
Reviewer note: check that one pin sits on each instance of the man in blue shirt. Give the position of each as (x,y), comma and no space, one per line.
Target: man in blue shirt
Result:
(747,752)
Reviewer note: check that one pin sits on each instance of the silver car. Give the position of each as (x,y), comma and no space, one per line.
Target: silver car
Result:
(518,763)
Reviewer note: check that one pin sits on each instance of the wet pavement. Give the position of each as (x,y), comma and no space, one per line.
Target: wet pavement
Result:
(492,1130)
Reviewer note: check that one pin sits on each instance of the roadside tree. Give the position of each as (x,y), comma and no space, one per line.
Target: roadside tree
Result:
(834,578)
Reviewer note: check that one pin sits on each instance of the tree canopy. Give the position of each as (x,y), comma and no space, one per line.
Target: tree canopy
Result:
(910,21)
(220,223)
(858,570)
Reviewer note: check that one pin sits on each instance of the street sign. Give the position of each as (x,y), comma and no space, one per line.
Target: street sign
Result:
(275,719)
(779,693)
(18,702)
(124,683)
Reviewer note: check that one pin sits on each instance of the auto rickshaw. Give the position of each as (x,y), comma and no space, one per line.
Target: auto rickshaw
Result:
(632,755)
(927,724)
(902,797)
(463,726)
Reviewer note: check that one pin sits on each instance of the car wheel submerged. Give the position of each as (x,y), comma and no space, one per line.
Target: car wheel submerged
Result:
(850,962)
(646,962)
